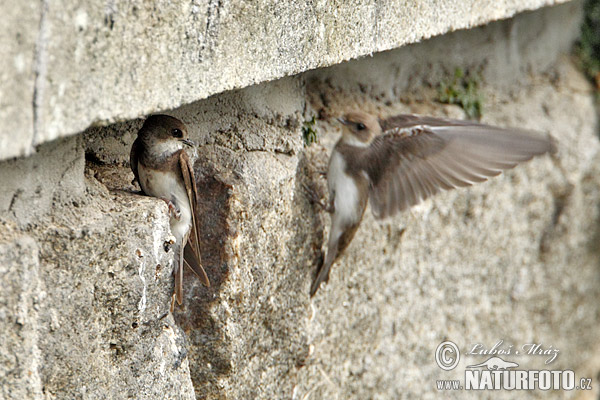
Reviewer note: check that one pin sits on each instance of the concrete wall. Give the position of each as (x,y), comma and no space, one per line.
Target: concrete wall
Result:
(70,64)
(87,277)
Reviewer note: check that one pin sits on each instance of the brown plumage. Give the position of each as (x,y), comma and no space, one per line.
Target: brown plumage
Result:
(398,162)
(163,169)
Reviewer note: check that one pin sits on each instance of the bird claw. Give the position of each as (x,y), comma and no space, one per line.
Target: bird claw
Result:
(173,210)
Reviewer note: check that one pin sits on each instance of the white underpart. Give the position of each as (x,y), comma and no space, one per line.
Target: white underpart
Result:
(166,186)
(353,140)
(345,195)
(166,147)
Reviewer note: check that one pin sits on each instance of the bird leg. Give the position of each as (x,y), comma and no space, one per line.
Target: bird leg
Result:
(316,199)
(173,210)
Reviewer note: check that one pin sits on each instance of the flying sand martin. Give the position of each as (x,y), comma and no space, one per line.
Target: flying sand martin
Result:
(163,169)
(398,162)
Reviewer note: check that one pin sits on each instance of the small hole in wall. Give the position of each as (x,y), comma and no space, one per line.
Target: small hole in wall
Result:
(134,325)
(167,246)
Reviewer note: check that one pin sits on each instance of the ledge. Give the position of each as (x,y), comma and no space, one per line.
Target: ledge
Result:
(71,65)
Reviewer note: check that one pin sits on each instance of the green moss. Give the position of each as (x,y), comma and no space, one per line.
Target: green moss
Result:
(309,132)
(588,47)
(462,89)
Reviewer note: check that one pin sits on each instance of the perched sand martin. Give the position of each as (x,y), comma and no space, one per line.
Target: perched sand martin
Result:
(163,169)
(397,162)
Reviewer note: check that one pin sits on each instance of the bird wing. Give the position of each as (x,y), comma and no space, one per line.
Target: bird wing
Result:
(133,159)
(192,248)
(416,157)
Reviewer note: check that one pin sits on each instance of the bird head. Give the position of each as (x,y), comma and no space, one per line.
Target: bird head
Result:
(359,128)
(165,131)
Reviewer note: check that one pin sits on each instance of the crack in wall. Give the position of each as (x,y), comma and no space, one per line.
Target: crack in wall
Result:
(40,71)
(211,30)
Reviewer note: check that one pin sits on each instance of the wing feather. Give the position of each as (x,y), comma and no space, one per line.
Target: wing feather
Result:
(416,157)
(413,189)
(192,248)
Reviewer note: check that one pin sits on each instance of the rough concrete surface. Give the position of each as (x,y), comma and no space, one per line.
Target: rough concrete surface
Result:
(86,289)
(70,64)
(507,260)
(88,277)
(33,185)
(20,356)
(19,34)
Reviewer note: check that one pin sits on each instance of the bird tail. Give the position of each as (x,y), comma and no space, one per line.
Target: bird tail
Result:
(192,260)
(178,275)
(323,274)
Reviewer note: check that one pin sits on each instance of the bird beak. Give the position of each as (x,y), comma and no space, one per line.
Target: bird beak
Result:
(188,142)
(342,121)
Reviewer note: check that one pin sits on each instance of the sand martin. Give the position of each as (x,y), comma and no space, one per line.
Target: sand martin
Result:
(163,169)
(397,162)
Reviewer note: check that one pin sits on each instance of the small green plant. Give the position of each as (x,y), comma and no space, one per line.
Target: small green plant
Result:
(463,90)
(309,131)
(587,48)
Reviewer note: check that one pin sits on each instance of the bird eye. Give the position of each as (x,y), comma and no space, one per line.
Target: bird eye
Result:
(360,126)
(177,133)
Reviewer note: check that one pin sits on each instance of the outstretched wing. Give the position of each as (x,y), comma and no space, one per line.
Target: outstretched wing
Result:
(416,157)
(191,253)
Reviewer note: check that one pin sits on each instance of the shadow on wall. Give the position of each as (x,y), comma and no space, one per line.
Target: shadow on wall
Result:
(210,344)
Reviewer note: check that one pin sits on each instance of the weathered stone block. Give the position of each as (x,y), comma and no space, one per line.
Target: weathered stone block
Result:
(81,63)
